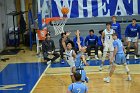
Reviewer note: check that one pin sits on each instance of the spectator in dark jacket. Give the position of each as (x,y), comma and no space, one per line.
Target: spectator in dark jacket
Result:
(61,46)
(48,48)
(91,41)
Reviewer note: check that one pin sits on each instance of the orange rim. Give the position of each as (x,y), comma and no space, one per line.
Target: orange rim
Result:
(48,20)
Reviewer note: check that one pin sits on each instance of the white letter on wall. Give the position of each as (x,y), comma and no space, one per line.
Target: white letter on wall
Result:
(120,8)
(44,9)
(135,6)
(102,7)
(66,4)
(88,8)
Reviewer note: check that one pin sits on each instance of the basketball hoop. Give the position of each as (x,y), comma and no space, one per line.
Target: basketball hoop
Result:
(58,22)
(59,25)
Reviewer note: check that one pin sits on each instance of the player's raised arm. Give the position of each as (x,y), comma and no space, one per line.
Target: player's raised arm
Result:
(64,39)
(78,39)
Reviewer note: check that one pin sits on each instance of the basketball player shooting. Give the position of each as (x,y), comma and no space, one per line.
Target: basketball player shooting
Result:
(70,54)
(80,60)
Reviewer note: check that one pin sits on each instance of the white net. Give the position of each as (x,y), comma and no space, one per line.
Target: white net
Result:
(58,25)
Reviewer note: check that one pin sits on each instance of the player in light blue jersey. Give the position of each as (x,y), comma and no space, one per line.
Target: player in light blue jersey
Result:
(78,86)
(80,60)
(118,57)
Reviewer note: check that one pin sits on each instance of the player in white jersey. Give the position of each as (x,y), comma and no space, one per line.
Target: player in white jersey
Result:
(70,54)
(69,57)
(107,42)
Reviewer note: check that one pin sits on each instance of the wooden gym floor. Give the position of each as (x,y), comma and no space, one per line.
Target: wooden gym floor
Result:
(56,80)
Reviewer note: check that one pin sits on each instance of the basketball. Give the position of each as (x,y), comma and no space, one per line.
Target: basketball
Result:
(65,10)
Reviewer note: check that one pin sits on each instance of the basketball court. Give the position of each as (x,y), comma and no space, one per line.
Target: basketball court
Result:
(33,76)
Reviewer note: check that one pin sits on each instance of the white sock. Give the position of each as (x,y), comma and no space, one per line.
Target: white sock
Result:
(126,68)
(108,77)
(129,75)
(101,65)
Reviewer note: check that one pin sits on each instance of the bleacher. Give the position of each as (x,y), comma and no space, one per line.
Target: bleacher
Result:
(96,23)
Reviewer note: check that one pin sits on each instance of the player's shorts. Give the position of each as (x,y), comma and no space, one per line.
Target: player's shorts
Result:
(83,74)
(108,47)
(120,58)
(132,39)
(72,64)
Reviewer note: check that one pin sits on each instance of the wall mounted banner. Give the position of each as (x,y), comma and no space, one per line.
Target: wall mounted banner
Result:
(95,8)
(86,8)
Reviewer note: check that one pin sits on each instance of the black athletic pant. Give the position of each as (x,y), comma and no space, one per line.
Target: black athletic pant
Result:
(101,48)
(61,53)
(90,47)
(56,55)
(76,50)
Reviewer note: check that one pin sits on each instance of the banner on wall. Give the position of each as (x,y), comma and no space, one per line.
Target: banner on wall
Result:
(86,8)
(44,11)
(96,8)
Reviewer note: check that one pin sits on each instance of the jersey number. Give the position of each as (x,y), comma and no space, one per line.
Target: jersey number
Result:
(79,90)
(67,58)
(108,37)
